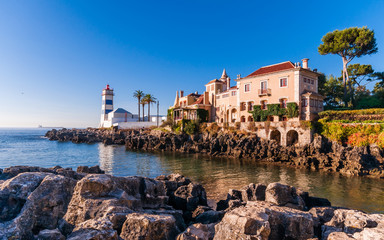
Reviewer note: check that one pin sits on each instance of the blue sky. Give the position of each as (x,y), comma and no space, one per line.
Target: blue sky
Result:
(56,56)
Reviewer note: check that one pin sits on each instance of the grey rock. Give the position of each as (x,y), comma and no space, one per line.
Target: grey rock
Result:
(283,195)
(148,226)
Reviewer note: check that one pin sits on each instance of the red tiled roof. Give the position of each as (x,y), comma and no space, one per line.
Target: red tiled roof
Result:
(214,80)
(194,94)
(200,100)
(272,68)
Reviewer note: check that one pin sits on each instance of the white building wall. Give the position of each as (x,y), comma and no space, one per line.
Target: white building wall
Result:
(134,125)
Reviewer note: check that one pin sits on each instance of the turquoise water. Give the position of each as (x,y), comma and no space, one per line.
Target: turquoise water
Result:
(29,147)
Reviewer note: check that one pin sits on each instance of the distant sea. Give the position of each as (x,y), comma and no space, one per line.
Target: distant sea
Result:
(218,175)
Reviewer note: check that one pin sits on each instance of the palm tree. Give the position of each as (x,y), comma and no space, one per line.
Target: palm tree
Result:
(149,99)
(138,94)
(143,102)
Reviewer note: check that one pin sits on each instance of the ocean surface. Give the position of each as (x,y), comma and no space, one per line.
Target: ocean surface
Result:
(29,147)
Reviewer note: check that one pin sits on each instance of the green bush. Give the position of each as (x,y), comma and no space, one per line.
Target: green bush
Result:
(260,115)
(191,127)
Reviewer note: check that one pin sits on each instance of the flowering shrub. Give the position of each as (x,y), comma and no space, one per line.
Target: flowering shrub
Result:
(360,139)
(354,134)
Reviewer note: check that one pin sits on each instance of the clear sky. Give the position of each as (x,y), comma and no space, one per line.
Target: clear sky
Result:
(56,56)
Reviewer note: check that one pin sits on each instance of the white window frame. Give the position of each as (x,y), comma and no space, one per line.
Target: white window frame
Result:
(280,82)
(265,84)
(245,90)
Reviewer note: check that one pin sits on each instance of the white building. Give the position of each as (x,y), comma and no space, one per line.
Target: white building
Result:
(120,117)
(110,117)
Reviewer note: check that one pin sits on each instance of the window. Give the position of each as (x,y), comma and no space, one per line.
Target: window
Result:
(283,82)
(225,95)
(283,103)
(250,106)
(247,87)
(242,106)
(264,104)
(312,81)
(264,86)
(233,93)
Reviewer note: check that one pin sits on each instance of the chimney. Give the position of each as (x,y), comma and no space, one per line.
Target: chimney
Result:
(196,92)
(181,93)
(228,82)
(238,76)
(305,63)
(206,96)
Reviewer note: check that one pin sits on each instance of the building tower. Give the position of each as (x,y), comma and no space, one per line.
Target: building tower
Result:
(106,106)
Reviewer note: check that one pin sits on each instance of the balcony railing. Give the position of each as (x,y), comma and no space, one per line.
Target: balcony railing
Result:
(264,92)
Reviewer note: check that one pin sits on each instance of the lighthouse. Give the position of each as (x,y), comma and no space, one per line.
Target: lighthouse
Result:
(106,106)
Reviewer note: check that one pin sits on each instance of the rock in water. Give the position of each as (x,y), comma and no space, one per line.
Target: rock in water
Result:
(149,227)
(283,195)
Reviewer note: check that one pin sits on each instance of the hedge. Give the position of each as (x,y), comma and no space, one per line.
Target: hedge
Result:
(352,114)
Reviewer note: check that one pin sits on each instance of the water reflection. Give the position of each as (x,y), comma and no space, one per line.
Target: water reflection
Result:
(219,175)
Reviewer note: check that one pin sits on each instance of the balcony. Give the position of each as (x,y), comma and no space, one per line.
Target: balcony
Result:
(265,92)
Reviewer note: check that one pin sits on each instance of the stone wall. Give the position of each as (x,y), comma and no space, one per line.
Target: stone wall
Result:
(286,133)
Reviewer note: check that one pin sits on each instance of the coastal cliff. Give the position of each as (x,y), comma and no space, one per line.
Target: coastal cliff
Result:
(321,154)
(59,203)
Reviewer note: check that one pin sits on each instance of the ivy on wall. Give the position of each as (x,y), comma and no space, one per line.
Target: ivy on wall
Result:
(170,112)
(202,115)
(260,115)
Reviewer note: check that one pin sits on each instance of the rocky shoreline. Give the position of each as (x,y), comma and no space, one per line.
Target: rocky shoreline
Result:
(59,203)
(321,154)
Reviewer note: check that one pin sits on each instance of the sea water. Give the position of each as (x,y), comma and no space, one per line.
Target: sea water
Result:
(217,175)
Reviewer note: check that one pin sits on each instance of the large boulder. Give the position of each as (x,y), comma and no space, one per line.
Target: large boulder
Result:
(15,191)
(355,224)
(148,226)
(188,197)
(283,195)
(198,231)
(253,192)
(243,223)
(44,207)
(99,195)
(173,182)
(262,220)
